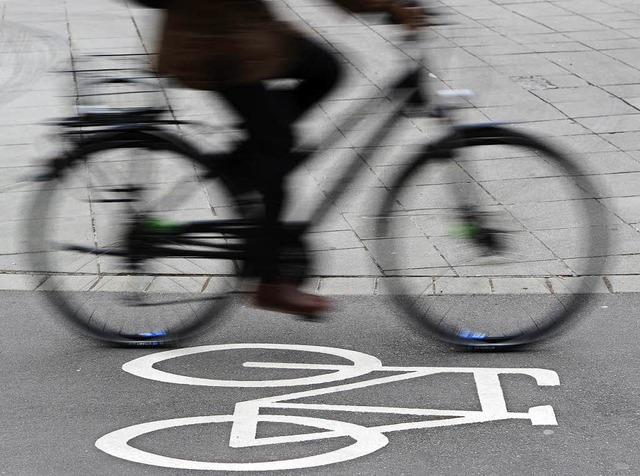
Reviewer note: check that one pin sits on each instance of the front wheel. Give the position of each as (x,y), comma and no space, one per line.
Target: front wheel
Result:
(491,237)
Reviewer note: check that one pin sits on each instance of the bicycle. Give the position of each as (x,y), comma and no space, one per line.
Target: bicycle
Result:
(464,223)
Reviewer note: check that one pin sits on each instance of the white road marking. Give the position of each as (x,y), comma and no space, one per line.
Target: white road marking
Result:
(246,416)
(362,364)
(366,441)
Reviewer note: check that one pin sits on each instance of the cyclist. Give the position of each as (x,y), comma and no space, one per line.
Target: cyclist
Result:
(234,47)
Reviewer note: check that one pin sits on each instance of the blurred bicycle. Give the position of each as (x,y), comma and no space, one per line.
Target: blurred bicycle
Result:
(144,243)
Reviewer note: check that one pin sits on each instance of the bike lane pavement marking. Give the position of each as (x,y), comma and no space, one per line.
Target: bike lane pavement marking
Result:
(246,415)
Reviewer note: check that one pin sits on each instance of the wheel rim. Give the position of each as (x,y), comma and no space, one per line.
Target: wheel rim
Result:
(548,236)
(90,204)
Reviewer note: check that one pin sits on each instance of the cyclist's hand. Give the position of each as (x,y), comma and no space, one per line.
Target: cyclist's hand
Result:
(409,13)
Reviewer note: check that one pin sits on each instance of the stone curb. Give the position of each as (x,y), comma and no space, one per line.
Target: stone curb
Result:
(342,286)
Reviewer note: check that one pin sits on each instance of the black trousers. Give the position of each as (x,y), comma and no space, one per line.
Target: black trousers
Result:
(265,158)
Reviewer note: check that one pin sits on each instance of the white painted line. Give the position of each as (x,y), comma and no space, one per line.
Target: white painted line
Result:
(247,414)
(366,441)
(361,364)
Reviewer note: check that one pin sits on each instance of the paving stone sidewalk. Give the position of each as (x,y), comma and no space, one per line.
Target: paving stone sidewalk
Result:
(567,70)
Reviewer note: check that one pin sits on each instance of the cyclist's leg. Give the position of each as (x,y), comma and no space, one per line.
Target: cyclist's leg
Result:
(268,115)
(261,160)
(318,72)
(270,141)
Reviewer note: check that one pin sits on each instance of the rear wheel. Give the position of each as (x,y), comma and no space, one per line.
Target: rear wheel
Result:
(83,228)
(493,245)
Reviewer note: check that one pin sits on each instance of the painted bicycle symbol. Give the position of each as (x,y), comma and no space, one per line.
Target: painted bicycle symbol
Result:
(363,440)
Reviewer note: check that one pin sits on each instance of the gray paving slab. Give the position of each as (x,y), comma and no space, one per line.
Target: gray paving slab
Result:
(565,70)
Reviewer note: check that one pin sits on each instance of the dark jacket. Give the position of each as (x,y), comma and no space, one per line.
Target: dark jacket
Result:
(210,44)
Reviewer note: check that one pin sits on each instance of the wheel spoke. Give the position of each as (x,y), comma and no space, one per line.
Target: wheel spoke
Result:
(85,237)
(493,227)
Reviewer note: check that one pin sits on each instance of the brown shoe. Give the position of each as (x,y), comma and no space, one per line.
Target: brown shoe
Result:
(286,297)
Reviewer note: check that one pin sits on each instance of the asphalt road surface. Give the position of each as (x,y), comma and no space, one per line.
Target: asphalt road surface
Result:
(358,394)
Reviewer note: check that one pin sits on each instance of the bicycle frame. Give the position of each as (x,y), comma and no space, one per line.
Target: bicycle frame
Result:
(408,90)
(156,241)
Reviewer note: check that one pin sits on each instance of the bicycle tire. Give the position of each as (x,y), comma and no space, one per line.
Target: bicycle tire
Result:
(528,243)
(84,206)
